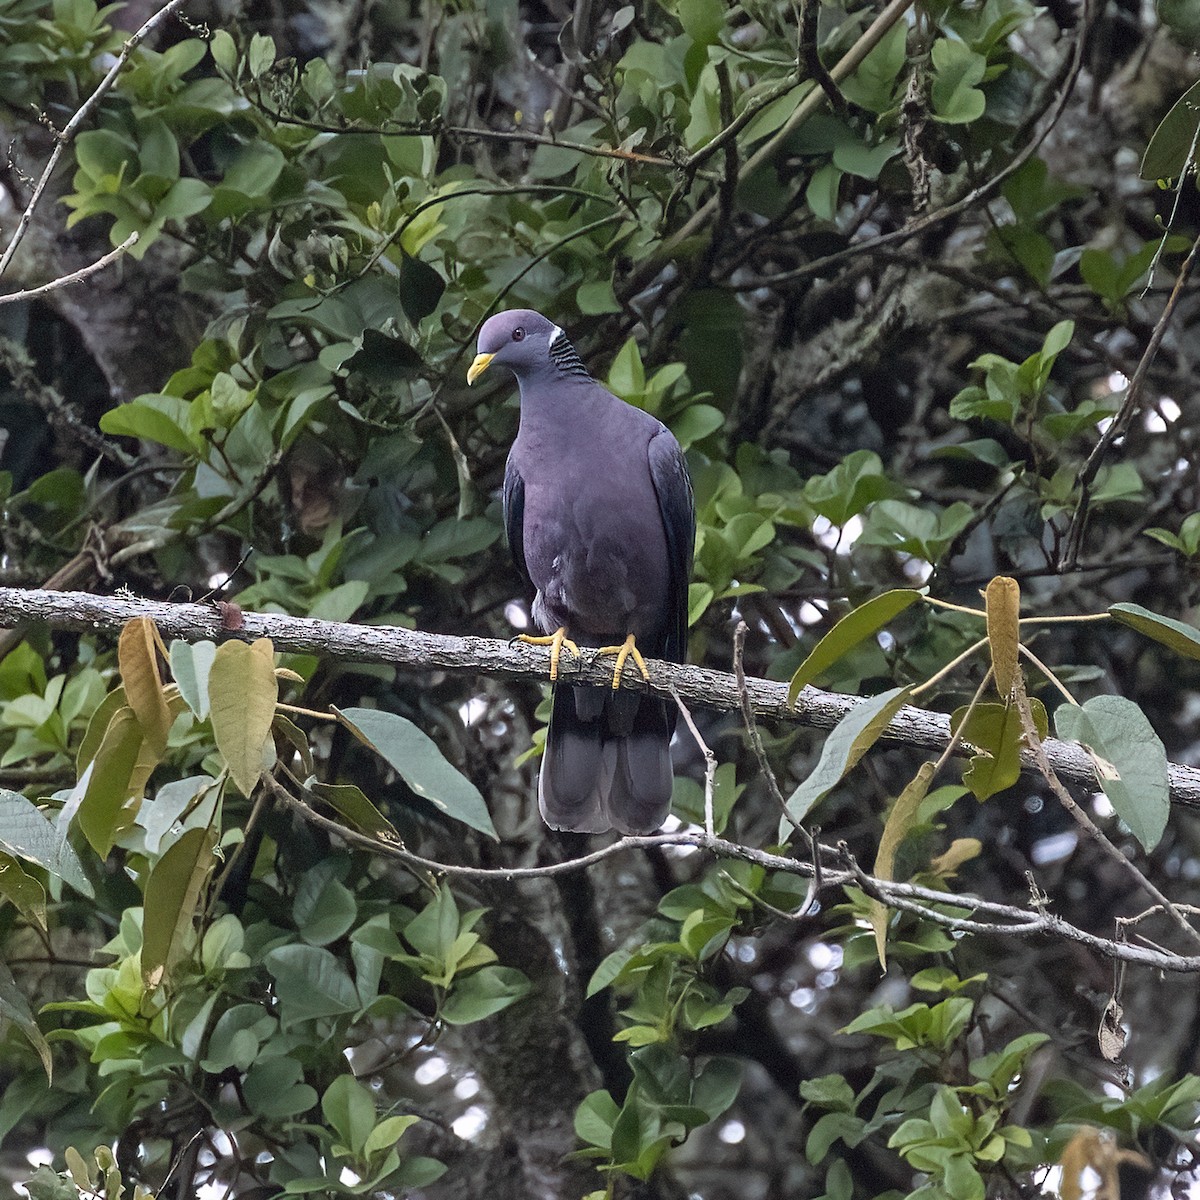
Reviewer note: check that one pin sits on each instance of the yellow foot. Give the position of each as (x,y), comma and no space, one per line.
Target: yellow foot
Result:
(627,648)
(556,641)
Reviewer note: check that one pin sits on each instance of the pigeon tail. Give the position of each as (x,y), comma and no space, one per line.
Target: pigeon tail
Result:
(637,775)
(568,785)
(605,766)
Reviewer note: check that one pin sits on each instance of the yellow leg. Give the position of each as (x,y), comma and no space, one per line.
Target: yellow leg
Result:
(626,649)
(556,641)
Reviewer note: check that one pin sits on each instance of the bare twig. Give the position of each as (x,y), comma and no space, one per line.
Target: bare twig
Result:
(710,762)
(75,277)
(756,742)
(1129,406)
(938,907)
(64,138)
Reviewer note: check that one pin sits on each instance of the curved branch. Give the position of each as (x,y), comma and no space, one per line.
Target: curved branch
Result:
(946,909)
(413,650)
(75,276)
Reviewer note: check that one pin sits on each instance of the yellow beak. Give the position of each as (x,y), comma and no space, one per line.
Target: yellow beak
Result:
(477,368)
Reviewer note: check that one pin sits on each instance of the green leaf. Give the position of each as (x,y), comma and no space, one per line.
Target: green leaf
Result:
(350,1110)
(899,822)
(995,729)
(108,785)
(420,764)
(1175,635)
(23,891)
(190,667)
(242,693)
(1167,153)
(324,908)
(702,20)
(594,1119)
(850,739)
(821,194)
(15,1008)
(956,71)
(482,993)
(597,297)
(310,982)
(172,900)
(1131,761)
(162,419)
(856,626)
(352,802)
(275,1089)
(27,833)
(855,157)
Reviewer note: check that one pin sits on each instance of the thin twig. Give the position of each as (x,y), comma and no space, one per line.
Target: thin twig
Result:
(75,277)
(756,742)
(710,762)
(1121,421)
(928,903)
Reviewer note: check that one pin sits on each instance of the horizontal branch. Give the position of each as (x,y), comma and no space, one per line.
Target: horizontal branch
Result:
(412,650)
(955,912)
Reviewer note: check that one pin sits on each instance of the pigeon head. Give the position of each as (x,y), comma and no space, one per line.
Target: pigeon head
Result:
(519,340)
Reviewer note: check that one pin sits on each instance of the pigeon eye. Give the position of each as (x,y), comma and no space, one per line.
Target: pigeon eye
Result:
(518,334)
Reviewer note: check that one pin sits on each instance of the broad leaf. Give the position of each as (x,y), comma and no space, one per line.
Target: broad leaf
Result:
(1167,154)
(421,765)
(996,730)
(242,692)
(853,736)
(1003,598)
(1183,639)
(856,626)
(15,1008)
(172,897)
(190,667)
(353,804)
(1131,763)
(26,833)
(109,782)
(137,657)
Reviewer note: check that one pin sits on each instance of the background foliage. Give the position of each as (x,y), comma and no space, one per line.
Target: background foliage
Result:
(890,320)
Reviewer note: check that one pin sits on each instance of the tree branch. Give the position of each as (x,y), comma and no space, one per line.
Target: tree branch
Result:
(75,276)
(946,909)
(413,650)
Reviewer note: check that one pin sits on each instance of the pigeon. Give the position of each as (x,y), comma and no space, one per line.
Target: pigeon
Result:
(601,524)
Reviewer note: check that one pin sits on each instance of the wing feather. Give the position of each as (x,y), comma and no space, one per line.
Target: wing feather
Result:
(514,517)
(668,472)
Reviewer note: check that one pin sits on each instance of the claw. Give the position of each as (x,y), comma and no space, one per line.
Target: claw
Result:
(625,650)
(556,641)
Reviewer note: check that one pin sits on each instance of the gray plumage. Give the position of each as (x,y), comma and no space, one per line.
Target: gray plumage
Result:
(600,521)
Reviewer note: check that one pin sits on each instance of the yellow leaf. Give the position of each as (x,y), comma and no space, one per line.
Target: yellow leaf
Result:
(1078,1154)
(1003,600)
(242,693)
(899,822)
(138,661)
(960,850)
